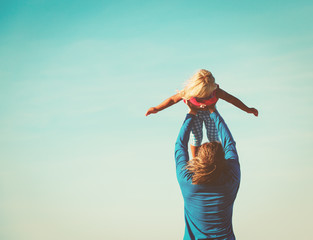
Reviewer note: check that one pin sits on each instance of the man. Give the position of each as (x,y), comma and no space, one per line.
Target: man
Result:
(209,182)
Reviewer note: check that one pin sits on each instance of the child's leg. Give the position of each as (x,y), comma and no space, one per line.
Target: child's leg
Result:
(196,135)
(210,128)
(194,150)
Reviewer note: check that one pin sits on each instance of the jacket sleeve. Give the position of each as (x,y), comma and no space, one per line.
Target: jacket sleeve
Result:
(181,146)
(228,143)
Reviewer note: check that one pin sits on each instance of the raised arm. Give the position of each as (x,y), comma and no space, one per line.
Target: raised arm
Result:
(165,104)
(228,143)
(235,101)
(181,145)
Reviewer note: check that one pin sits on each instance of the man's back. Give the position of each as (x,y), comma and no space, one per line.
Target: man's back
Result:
(208,207)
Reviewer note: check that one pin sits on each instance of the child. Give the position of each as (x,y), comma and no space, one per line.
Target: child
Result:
(201,90)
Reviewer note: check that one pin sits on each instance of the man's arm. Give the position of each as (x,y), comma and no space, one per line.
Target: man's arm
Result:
(165,104)
(236,102)
(181,146)
(228,143)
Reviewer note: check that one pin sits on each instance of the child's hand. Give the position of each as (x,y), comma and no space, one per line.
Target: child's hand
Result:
(254,111)
(151,110)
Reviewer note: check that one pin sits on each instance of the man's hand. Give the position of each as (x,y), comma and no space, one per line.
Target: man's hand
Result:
(211,108)
(192,108)
(202,107)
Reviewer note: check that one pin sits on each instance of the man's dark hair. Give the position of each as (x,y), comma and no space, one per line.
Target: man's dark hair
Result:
(208,164)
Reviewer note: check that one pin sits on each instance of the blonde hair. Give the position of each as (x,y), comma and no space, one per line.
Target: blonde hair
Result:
(208,164)
(201,85)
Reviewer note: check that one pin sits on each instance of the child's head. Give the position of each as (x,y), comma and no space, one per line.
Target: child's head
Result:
(201,85)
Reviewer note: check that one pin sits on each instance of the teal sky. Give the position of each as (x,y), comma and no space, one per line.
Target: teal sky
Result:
(78,158)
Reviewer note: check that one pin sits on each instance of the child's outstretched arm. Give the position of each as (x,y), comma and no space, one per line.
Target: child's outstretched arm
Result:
(165,104)
(235,101)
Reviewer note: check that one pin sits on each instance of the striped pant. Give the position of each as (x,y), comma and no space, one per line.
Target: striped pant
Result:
(197,131)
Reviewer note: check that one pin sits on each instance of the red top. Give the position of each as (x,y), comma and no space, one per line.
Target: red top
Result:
(207,101)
